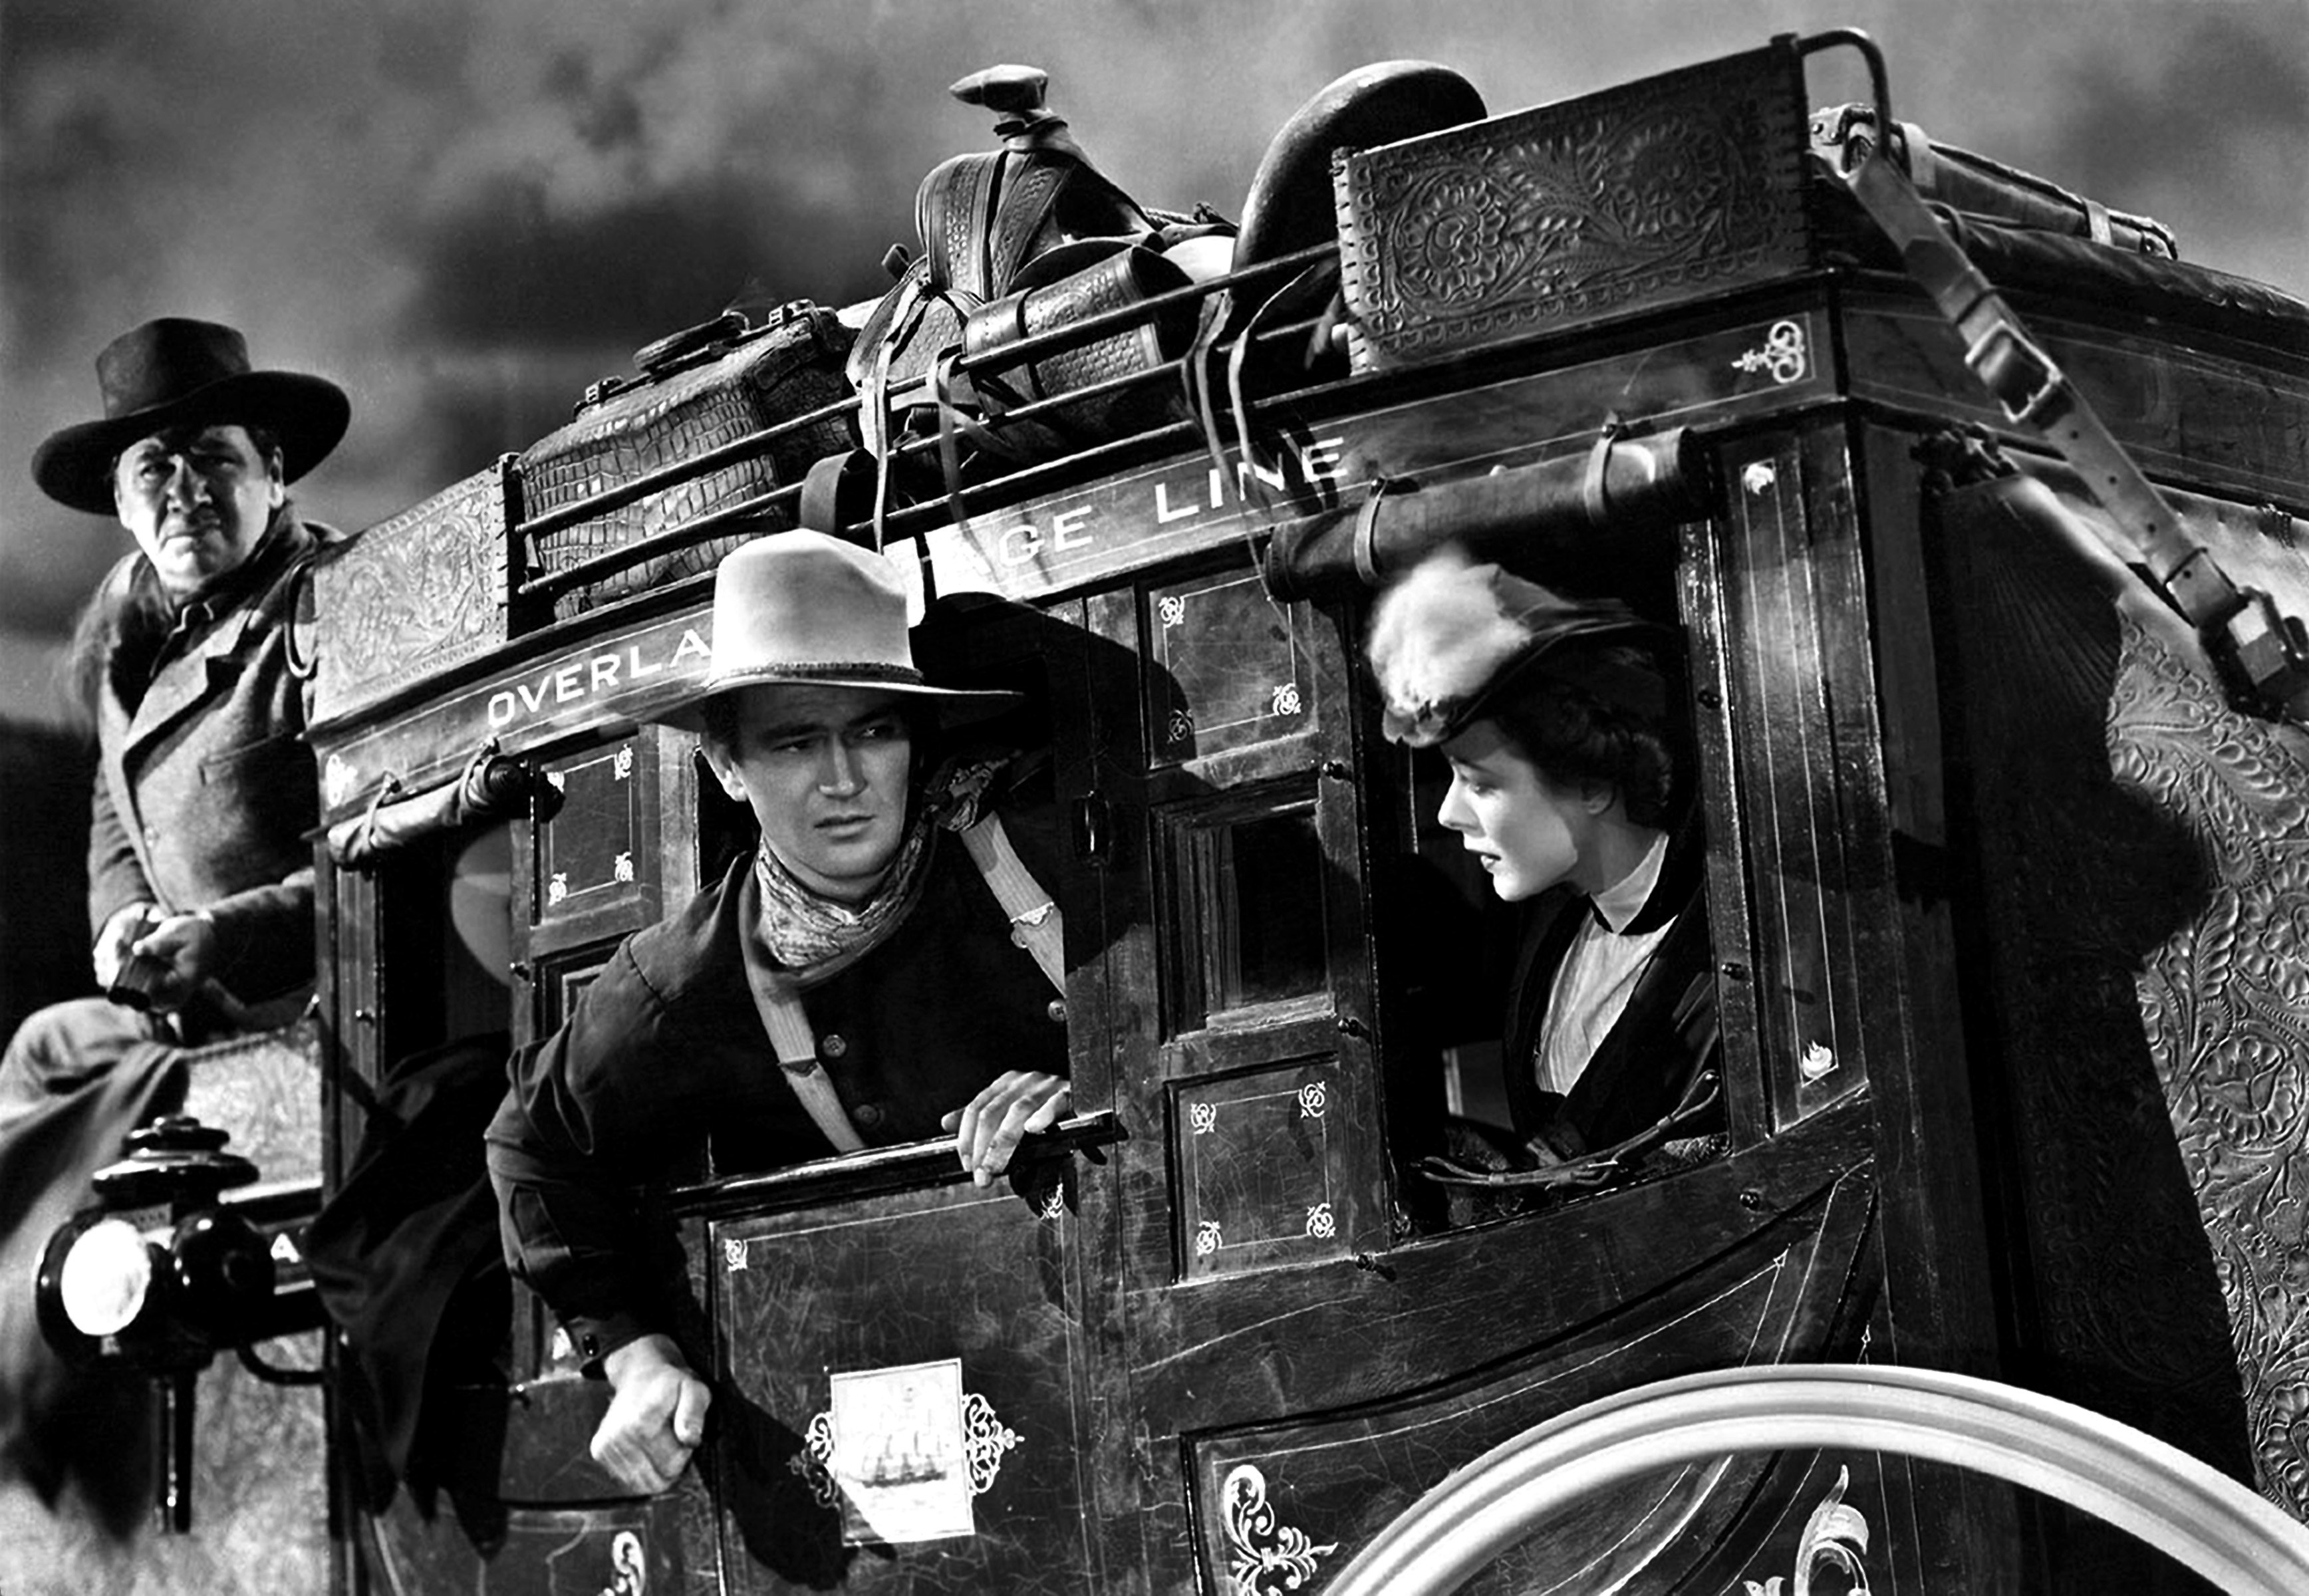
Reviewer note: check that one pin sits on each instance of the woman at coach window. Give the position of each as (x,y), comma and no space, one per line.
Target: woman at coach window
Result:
(1562,723)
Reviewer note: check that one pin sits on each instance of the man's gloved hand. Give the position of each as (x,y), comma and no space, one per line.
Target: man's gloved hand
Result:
(119,935)
(657,1417)
(167,961)
(988,1129)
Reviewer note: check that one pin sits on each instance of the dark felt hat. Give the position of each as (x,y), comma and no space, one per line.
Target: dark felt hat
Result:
(176,372)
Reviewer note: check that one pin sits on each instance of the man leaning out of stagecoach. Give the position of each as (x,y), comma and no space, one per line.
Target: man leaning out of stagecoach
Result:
(891,942)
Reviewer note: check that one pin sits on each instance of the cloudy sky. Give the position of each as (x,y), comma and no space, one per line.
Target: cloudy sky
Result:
(463,211)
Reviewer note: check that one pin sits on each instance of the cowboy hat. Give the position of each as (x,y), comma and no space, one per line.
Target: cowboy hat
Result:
(1452,638)
(801,609)
(176,372)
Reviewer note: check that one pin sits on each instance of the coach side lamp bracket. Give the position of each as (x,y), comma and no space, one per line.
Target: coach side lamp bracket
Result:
(158,1275)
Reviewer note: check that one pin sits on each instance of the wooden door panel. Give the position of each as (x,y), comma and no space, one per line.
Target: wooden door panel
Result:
(904,1365)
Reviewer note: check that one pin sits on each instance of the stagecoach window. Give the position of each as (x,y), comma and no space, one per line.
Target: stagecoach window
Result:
(590,852)
(445,940)
(1232,667)
(1249,931)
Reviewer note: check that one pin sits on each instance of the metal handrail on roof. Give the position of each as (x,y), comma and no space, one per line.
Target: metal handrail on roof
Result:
(722,520)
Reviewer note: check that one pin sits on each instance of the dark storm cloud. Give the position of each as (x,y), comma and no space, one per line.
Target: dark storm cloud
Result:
(643,186)
(507,266)
(420,48)
(2210,131)
(68,144)
(610,117)
(465,415)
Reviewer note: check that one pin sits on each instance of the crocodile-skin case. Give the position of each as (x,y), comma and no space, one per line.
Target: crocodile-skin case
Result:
(695,391)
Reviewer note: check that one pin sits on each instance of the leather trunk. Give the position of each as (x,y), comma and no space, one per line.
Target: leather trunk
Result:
(695,391)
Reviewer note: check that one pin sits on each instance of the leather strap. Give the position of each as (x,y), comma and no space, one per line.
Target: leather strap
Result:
(1036,925)
(1195,373)
(831,491)
(876,422)
(909,300)
(2097,224)
(945,379)
(1923,164)
(2265,652)
(875,403)
(1695,1113)
(1367,533)
(1256,495)
(791,1039)
(1036,921)
(1595,488)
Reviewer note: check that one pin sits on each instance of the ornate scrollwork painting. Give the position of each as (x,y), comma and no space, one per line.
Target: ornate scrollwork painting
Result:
(813,1465)
(1835,1540)
(628,1568)
(1263,1556)
(1781,356)
(986,1440)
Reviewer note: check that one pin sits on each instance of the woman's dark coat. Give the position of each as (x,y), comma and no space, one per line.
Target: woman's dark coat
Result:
(1666,1035)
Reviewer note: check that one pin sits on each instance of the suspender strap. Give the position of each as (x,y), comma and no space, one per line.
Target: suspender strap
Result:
(780,1007)
(2265,652)
(1036,924)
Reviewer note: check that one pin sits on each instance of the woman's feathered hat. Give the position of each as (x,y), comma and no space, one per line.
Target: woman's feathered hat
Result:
(1451,638)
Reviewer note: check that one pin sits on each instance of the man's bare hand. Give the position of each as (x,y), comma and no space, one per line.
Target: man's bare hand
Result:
(657,1417)
(988,1129)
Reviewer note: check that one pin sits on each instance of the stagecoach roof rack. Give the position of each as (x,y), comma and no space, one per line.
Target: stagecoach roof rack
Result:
(906,520)
(1565,276)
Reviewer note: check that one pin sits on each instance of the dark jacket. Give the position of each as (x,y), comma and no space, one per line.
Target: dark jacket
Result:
(1665,1037)
(206,790)
(404,1251)
(665,1054)
(204,794)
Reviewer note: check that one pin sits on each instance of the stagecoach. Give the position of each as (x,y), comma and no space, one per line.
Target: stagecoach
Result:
(2000,1264)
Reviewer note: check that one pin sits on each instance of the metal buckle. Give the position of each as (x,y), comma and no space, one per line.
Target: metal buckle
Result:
(2002,353)
(2270,650)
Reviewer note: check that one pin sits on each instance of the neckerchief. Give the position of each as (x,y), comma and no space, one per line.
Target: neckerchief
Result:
(816,938)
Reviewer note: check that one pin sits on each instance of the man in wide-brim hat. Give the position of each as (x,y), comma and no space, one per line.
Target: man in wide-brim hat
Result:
(205,791)
(885,966)
(200,876)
